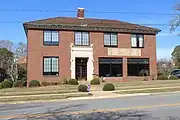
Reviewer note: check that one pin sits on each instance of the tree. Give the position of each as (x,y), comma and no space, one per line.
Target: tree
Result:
(5,56)
(7,44)
(164,66)
(176,56)
(9,60)
(20,50)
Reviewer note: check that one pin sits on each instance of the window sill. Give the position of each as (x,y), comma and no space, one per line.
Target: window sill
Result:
(51,45)
(51,75)
(138,47)
(110,46)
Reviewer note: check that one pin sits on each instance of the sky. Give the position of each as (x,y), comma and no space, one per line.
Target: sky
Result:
(14,12)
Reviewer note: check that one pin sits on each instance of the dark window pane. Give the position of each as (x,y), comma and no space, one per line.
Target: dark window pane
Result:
(110,67)
(138,67)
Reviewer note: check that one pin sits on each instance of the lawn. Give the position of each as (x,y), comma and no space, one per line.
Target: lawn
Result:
(149,91)
(66,91)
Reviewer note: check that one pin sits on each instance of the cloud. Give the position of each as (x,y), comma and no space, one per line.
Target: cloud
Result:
(164,53)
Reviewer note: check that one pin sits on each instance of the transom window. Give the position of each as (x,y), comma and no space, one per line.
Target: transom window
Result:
(51,65)
(137,41)
(110,40)
(51,38)
(82,38)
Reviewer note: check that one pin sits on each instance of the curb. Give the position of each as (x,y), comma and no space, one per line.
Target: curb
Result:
(86,98)
(117,96)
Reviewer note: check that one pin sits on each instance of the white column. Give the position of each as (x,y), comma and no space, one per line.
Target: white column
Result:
(73,69)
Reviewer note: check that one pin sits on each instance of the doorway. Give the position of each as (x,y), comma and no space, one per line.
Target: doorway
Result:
(81,68)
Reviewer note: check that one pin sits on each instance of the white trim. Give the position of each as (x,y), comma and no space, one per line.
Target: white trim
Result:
(82,51)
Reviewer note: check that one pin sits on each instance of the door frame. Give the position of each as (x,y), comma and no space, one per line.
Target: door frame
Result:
(82,67)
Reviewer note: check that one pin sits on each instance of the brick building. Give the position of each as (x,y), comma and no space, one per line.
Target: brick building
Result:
(82,47)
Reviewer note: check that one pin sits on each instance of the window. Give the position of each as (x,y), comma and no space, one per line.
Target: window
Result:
(110,67)
(138,67)
(82,38)
(51,38)
(51,66)
(110,40)
(137,41)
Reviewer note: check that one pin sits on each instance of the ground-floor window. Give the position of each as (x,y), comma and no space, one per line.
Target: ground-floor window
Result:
(110,67)
(50,65)
(138,66)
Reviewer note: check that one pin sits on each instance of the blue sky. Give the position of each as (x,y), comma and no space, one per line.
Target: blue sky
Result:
(165,40)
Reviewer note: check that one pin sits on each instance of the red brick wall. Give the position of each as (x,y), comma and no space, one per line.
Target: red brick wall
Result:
(36,51)
(124,41)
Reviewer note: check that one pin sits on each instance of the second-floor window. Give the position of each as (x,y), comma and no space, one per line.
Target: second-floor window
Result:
(137,41)
(82,38)
(50,65)
(51,38)
(110,40)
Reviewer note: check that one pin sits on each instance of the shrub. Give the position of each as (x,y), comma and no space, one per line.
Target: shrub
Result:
(162,77)
(45,83)
(108,87)
(19,83)
(173,77)
(34,83)
(82,88)
(159,74)
(73,82)
(64,81)
(6,84)
(95,81)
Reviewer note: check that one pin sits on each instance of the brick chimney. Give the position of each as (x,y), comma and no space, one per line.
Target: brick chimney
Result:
(80,13)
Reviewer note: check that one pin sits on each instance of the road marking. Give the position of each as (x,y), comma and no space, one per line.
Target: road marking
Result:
(89,111)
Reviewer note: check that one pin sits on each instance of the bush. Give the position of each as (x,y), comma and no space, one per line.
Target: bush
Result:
(95,81)
(162,77)
(45,83)
(19,83)
(72,82)
(82,88)
(173,77)
(159,74)
(108,87)
(6,84)
(34,83)
(64,81)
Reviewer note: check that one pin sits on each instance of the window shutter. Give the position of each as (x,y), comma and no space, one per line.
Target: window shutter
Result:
(141,41)
(133,41)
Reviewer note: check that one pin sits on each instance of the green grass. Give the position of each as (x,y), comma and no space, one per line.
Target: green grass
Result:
(146,86)
(35,89)
(48,97)
(37,92)
(149,91)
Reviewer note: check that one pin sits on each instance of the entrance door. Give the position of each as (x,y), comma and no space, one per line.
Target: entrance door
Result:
(81,68)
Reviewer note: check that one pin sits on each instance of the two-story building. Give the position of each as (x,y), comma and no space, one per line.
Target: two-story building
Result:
(82,47)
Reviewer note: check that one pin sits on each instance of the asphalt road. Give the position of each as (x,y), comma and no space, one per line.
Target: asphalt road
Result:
(154,107)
